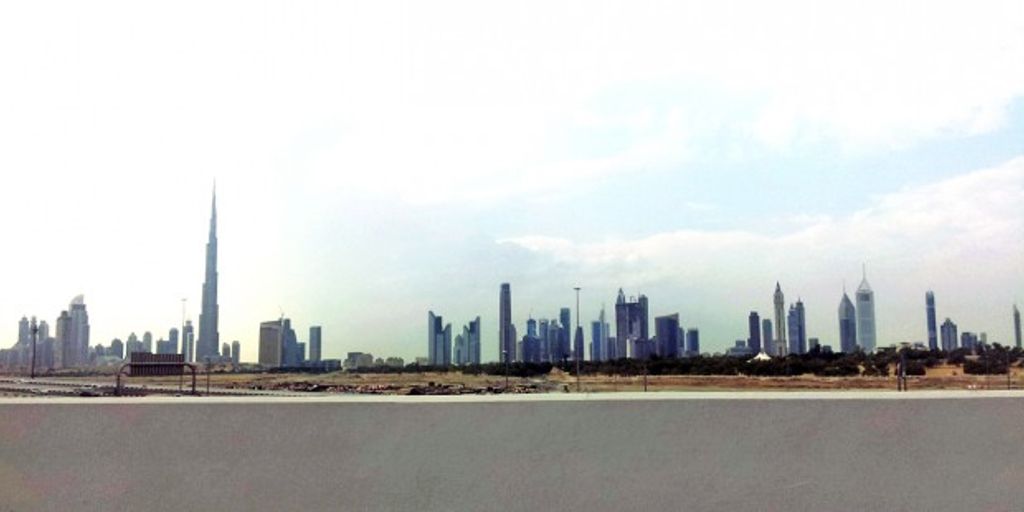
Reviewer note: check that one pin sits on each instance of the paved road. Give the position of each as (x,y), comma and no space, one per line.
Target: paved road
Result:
(659,451)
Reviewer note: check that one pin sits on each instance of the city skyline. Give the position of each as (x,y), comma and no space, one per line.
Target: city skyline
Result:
(699,161)
(797,337)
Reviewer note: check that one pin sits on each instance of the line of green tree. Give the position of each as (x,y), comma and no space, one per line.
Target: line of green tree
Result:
(992,360)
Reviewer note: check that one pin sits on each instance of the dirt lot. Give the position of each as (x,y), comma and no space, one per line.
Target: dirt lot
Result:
(557,381)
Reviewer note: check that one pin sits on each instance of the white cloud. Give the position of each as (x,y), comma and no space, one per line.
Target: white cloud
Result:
(453,101)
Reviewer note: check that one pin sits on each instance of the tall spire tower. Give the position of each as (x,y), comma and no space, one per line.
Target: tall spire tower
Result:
(1016,324)
(209,335)
(865,298)
(779,301)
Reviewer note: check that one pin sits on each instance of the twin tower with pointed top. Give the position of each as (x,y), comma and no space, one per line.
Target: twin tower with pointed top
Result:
(856,322)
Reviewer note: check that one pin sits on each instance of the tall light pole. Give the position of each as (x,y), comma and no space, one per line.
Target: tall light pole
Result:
(35,335)
(184,348)
(576,349)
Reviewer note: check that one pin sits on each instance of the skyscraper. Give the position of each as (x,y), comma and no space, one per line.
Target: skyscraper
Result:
(968,341)
(813,345)
(271,343)
(797,323)
(865,316)
(236,352)
(666,330)
(847,325)
(506,340)
(79,330)
(24,332)
(117,348)
(44,330)
(543,332)
(209,335)
(188,341)
(553,342)
(439,340)
(165,347)
(692,342)
(631,327)
(460,351)
(472,334)
(64,351)
(599,332)
(172,339)
(767,342)
(578,344)
(132,345)
(1016,325)
(780,322)
(949,340)
(530,344)
(565,318)
(314,343)
(292,354)
(754,328)
(933,334)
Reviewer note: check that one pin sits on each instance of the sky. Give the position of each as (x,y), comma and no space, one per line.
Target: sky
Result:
(376,160)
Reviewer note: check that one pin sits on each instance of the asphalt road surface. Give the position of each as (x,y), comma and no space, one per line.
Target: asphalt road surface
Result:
(929,451)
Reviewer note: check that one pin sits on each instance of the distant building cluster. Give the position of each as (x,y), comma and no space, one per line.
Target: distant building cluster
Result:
(790,336)
(363,360)
(548,340)
(554,340)
(440,349)
(67,347)
(280,348)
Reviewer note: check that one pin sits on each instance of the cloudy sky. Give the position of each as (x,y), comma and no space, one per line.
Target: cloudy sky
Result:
(375,160)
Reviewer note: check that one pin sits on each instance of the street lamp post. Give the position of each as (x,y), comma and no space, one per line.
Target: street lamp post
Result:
(35,335)
(576,349)
(183,347)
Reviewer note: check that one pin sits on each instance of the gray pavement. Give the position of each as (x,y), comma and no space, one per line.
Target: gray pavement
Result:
(655,451)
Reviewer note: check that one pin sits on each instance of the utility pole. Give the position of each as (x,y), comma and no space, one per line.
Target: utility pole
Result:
(184,346)
(35,335)
(184,349)
(579,354)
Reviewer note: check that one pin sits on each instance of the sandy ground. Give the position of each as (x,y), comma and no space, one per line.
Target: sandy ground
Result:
(942,377)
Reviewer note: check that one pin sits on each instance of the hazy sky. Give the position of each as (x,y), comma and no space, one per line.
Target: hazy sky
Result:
(377,159)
